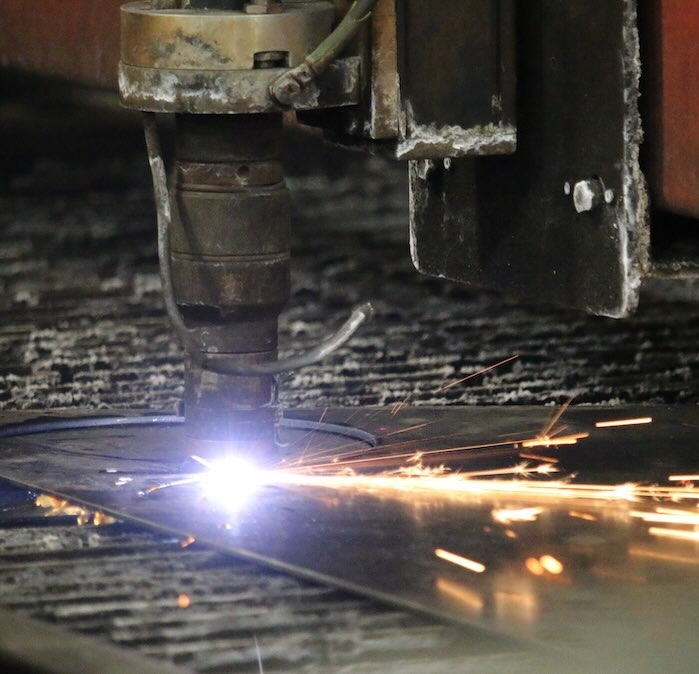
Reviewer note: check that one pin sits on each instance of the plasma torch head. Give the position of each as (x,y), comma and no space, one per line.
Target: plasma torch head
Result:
(229,257)
(223,231)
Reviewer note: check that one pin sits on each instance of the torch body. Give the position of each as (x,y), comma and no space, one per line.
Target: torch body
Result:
(229,255)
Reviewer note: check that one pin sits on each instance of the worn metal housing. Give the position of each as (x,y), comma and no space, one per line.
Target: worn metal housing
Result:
(512,223)
(211,61)
(209,39)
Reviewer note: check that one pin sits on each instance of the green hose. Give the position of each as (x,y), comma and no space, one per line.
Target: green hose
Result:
(328,50)
(292,83)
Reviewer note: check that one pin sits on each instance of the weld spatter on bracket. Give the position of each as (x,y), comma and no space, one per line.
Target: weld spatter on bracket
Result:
(422,141)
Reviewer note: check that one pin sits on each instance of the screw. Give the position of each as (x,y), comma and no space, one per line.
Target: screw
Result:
(608,196)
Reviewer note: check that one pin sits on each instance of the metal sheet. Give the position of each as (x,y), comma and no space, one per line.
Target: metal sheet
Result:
(456,65)
(622,595)
(510,223)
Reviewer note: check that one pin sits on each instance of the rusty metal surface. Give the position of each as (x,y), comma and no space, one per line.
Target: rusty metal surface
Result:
(614,582)
(211,39)
(211,61)
(72,39)
(671,103)
(377,115)
(381,104)
(218,92)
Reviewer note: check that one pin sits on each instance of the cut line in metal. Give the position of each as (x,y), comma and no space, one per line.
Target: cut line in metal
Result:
(81,423)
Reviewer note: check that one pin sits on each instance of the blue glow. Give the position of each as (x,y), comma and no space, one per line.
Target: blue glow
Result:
(230,482)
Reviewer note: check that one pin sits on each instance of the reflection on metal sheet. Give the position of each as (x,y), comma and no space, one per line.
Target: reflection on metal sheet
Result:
(595,555)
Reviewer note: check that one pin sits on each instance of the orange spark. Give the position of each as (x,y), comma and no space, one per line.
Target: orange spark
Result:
(100,519)
(679,534)
(186,542)
(309,435)
(533,565)
(589,517)
(441,482)
(83,519)
(690,518)
(475,374)
(672,511)
(519,469)
(548,437)
(183,600)
(613,423)
(431,452)
(551,564)
(549,441)
(60,507)
(345,456)
(177,483)
(463,562)
(509,515)
(397,407)
(546,431)
(405,430)
(545,564)
(538,457)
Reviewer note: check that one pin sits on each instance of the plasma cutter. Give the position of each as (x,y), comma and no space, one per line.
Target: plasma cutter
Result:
(228,73)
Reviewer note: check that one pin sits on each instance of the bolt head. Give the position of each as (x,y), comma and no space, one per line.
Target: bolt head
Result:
(608,196)
(285,90)
(587,195)
(566,188)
